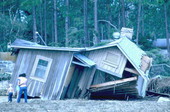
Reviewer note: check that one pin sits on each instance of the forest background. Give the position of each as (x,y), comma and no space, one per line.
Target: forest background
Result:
(85,23)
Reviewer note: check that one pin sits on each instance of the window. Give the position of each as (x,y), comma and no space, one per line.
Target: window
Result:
(41,68)
(112,59)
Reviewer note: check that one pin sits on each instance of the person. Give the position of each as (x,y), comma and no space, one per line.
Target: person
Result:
(22,83)
(10,92)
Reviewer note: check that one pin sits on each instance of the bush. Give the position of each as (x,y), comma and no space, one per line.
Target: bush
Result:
(5,77)
(158,58)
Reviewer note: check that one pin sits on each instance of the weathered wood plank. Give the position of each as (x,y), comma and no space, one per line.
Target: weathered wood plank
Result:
(125,86)
(114,82)
(132,70)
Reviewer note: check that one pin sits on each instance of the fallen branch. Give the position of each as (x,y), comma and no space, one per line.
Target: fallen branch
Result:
(108,23)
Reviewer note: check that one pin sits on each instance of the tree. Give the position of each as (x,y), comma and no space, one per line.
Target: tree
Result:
(122,2)
(138,21)
(34,23)
(96,40)
(83,23)
(166,26)
(67,23)
(55,22)
(45,21)
(86,39)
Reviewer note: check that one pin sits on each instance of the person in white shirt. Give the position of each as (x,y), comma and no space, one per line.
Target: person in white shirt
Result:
(22,83)
(10,92)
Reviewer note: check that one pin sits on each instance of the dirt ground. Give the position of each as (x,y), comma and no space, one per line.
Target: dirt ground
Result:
(37,105)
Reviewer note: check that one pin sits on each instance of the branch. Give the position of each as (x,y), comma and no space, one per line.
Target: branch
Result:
(108,23)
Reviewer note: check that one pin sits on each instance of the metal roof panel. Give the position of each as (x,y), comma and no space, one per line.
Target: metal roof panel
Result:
(84,59)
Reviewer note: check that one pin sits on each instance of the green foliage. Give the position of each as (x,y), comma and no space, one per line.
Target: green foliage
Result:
(75,36)
(158,58)
(5,76)
(12,27)
(101,44)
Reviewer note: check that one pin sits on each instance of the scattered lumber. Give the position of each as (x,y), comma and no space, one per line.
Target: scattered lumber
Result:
(115,89)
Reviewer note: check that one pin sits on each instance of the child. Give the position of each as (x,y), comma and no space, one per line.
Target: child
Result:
(10,92)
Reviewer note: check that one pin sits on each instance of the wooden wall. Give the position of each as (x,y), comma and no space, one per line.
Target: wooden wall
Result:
(82,79)
(117,60)
(52,88)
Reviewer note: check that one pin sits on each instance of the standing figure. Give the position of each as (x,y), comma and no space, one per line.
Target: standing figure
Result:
(10,92)
(22,83)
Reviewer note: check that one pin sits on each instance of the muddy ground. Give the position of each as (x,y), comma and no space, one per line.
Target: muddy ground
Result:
(37,105)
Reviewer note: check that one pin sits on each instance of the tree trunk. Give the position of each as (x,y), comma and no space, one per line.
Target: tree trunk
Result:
(123,13)
(67,23)
(55,22)
(3,13)
(86,39)
(166,28)
(3,8)
(119,21)
(138,22)
(34,23)
(143,22)
(110,19)
(41,20)
(96,40)
(102,33)
(45,21)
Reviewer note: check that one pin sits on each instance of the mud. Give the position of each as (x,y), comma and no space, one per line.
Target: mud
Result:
(37,105)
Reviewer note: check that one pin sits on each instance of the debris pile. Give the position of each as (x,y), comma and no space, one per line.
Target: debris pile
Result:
(160,86)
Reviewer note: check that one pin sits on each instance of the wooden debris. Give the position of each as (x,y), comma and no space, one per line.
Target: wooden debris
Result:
(157,94)
(132,70)
(114,82)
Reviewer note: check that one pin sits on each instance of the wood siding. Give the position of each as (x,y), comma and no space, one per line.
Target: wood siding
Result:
(101,58)
(52,88)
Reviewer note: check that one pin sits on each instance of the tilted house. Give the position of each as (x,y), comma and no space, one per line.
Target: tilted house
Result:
(118,69)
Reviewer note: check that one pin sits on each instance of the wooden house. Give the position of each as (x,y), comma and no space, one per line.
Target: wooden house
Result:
(118,69)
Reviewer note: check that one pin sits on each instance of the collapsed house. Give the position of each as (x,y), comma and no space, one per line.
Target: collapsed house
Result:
(116,70)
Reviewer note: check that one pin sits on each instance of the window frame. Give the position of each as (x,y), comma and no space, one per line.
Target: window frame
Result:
(112,64)
(39,57)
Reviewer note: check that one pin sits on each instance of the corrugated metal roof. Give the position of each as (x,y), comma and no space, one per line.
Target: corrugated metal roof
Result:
(114,43)
(84,60)
(23,44)
(131,51)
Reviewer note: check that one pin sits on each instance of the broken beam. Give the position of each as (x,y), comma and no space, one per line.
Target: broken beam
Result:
(132,71)
(114,82)
(157,94)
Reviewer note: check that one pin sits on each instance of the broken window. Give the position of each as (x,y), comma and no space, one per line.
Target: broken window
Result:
(41,68)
